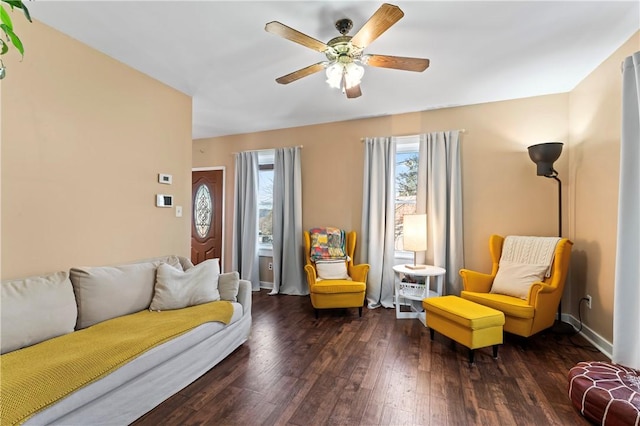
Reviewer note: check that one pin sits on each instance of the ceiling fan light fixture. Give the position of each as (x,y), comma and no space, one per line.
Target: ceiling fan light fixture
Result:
(351,73)
(334,75)
(345,63)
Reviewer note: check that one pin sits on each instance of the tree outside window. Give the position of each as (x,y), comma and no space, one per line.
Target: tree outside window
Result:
(406,188)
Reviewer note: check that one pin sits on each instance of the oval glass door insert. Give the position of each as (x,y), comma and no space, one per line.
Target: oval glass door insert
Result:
(203,206)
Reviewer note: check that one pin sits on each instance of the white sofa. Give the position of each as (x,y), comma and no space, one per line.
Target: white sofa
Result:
(37,309)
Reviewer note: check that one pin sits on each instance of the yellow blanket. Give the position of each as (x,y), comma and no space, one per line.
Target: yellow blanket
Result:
(36,377)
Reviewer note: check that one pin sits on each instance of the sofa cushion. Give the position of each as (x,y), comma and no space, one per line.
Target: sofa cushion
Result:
(511,306)
(35,309)
(106,292)
(176,289)
(338,287)
(185,262)
(228,286)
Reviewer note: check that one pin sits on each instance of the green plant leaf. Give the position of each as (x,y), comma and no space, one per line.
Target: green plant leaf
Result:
(15,40)
(5,18)
(4,28)
(5,48)
(19,5)
(26,13)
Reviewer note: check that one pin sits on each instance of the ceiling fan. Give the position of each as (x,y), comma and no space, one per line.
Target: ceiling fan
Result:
(345,54)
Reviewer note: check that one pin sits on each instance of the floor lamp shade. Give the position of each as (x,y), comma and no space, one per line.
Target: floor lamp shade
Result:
(544,155)
(414,235)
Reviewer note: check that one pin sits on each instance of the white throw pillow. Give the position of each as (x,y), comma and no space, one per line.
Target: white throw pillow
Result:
(332,270)
(228,286)
(514,279)
(35,309)
(176,289)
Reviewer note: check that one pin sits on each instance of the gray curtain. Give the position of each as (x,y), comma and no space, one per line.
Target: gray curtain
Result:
(245,218)
(626,316)
(288,249)
(440,197)
(378,210)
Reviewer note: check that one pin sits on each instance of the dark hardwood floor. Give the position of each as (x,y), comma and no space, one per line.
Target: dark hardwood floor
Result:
(344,370)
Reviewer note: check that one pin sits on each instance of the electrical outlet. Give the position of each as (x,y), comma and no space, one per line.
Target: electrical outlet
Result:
(588,298)
(271,269)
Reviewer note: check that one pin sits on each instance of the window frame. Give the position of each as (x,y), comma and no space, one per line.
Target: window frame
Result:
(404,144)
(265,162)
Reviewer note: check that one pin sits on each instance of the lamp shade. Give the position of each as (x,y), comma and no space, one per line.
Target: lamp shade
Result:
(415,232)
(339,73)
(544,155)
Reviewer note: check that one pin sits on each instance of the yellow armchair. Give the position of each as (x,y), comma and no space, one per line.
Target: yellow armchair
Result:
(522,317)
(330,294)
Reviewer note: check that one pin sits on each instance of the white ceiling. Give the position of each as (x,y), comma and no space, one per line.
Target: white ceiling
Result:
(218,53)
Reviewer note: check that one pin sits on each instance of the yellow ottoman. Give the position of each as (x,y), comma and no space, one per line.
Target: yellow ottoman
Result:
(468,323)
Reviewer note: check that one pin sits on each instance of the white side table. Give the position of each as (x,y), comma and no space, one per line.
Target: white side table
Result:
(413,293)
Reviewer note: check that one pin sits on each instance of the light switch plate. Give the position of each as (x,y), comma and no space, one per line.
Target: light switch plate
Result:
(178,211)
(164,178)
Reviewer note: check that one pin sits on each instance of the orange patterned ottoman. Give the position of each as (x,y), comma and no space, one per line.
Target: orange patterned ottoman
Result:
(606,393)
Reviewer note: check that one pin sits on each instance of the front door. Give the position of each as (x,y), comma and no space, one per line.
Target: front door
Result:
(206,223)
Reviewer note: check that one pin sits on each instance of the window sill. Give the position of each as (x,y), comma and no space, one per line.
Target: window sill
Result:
(265,250)
(403,255)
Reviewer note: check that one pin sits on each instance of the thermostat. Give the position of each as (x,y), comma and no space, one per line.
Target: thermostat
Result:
(166,179)
(164,200)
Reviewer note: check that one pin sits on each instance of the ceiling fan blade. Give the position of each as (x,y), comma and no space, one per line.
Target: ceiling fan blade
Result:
(289,33)
(353,92)
(380,21)
(397,62)
(302,72)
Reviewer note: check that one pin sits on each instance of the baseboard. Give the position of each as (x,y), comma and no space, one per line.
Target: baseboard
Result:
(266,285)
(592,337)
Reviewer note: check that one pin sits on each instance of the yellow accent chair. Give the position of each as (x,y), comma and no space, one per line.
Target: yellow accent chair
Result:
(340,293)
(523,317)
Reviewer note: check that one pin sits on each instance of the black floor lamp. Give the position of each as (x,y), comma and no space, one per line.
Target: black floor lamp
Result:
(544,155)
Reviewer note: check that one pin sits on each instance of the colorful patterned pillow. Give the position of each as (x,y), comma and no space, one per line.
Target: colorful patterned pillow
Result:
(327,243)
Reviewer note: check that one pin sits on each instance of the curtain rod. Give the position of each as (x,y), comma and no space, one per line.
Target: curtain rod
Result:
(406,136)
(268,149)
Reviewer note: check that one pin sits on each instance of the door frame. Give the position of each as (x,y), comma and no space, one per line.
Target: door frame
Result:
(224,183)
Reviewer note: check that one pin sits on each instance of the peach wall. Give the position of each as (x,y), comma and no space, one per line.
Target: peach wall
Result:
(83,139)
(595,131)
(502,193)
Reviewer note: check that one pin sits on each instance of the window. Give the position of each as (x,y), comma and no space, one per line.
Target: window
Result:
(203,206)
(265,199)
(406,184)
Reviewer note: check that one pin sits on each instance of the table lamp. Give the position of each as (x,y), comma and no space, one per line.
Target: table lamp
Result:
(415,236)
